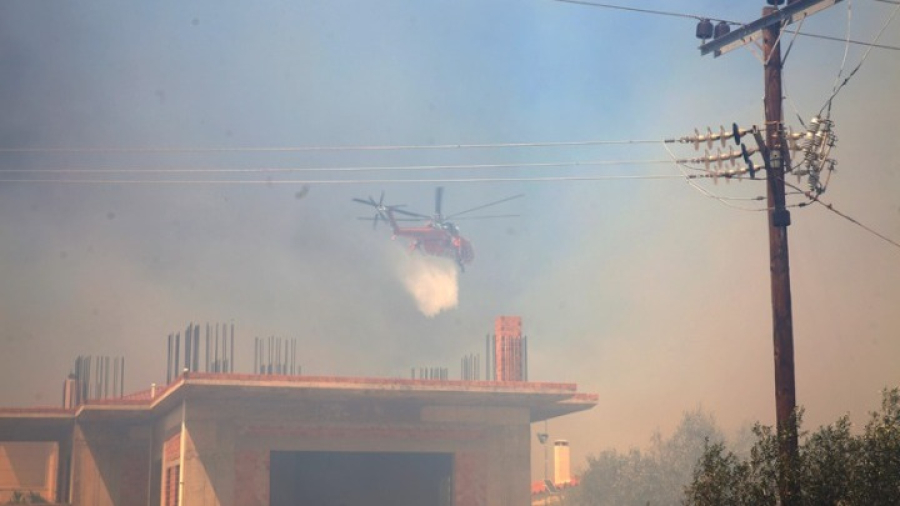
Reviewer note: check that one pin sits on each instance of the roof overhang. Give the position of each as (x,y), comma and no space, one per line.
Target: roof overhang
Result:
(542,400)
(36,424)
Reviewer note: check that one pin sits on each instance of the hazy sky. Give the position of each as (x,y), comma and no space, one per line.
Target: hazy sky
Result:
(646,291)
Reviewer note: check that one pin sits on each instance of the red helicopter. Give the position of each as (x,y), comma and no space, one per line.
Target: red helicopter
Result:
(438,236)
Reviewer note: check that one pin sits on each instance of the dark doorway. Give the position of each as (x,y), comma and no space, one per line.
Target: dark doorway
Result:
(360,479)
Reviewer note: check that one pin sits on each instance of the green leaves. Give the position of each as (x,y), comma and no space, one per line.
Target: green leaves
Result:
(835,466)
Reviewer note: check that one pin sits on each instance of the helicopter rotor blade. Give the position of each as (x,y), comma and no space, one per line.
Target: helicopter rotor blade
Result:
(488,217)
(381,208)
(438,200)
(410,213)
(370,202)
(507,199)
(374,219)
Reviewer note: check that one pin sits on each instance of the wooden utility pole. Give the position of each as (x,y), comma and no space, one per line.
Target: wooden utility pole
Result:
(775,155)
(779,219)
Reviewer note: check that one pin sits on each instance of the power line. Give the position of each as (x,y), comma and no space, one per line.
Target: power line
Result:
(276,170)
(793,39)
(856,222)
(272,170)
(837,90)
(837,78)
(689,178)
(645,11)
(815,199)
(409,147)
(736,23)
(848,41)
(342,181)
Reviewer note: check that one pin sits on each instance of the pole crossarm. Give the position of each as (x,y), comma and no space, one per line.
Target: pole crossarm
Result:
(753,31)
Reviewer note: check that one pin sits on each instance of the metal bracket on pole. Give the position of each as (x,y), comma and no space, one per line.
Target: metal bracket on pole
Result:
(763,149)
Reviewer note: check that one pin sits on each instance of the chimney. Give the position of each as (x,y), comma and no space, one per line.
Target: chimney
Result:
(561,468)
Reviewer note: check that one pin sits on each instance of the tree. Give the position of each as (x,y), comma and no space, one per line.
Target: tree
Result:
(829,459)
(835,467)
(655,477)
(877,469)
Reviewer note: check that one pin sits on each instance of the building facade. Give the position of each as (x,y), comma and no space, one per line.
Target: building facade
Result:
(247,440)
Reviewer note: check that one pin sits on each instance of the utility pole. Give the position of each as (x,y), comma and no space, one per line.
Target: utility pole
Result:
(775,156)
(779,220)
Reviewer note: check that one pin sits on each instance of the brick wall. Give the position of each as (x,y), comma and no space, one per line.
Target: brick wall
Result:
(133,479)
(251,477)
(170,494)
(172,448)
(469,485)
(171,469)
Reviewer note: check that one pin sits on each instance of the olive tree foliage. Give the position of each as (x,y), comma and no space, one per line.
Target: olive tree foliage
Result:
(836,467)
(751,480)
(656,476)
(876,468)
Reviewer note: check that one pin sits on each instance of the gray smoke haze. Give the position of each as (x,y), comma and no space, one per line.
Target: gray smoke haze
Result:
(646,292)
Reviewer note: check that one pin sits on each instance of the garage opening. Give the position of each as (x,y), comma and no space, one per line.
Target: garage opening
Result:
(360,479)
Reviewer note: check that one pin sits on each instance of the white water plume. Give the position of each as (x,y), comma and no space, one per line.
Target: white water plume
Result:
(432,281)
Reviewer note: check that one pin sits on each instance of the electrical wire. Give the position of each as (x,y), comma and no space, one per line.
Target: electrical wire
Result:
(837,78)
(790,100)
(726,200)
(787,95)
(735,23)
(274,170)
(791,44)
(775,45)
(271,182)
(410,147)
(645,11)
(850,41)
(812,198)
(887,22)
(689,179)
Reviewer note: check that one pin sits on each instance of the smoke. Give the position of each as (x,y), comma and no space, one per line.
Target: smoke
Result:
(432,281)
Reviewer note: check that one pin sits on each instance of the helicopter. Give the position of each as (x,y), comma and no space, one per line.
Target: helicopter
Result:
(437,236)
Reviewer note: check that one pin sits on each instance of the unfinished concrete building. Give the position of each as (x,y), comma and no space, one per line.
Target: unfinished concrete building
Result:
(257,440)
(211,437)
